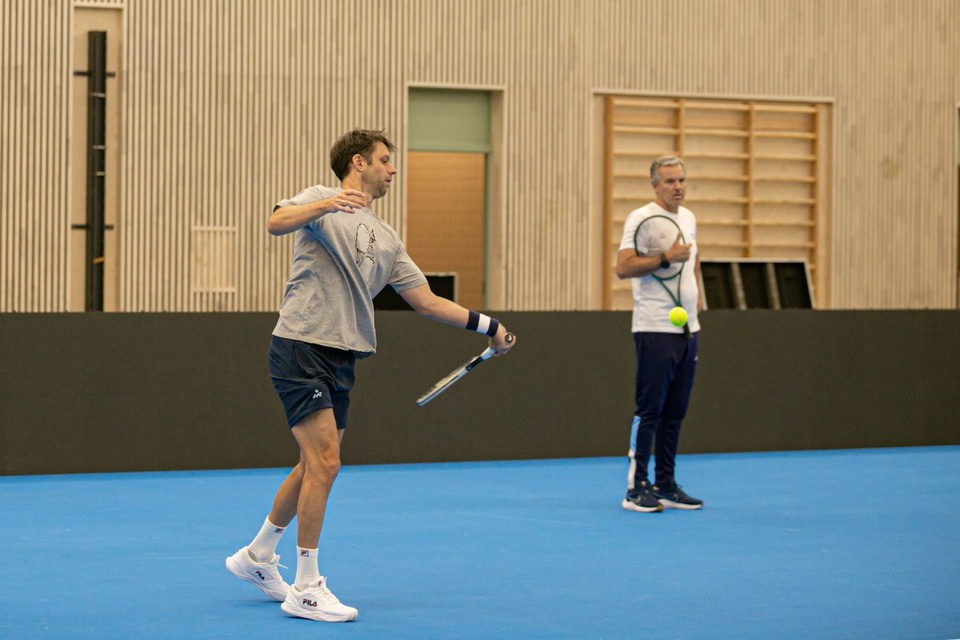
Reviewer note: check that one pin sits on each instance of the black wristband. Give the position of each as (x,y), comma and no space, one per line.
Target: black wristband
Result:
(664,263)
(482,324)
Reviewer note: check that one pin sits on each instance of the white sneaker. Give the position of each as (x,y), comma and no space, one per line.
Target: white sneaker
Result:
(317,603)
(263,575)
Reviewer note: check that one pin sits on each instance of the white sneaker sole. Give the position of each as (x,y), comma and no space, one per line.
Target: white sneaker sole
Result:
(234,568)
(630,506)
(670,504)
(319,616)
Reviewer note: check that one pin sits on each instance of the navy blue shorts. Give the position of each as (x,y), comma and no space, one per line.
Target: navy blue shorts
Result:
(310,377)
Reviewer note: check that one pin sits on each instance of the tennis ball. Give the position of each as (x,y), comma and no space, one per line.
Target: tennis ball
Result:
(678,316)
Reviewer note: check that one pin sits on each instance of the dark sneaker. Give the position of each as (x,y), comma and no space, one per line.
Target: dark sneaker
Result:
(675,498)
(641,499)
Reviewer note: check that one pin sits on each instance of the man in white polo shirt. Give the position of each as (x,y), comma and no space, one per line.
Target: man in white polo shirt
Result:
(666,356)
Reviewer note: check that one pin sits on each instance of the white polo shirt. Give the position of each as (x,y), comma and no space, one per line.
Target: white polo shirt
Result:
(652,302)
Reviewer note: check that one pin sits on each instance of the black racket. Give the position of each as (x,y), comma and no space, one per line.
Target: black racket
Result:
(657,234)
(447,381)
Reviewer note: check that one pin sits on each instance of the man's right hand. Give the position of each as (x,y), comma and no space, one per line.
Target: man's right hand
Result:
(500,342)
(679,252)
(348,200)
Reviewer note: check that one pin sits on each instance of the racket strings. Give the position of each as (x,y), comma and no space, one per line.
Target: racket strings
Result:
(668,230)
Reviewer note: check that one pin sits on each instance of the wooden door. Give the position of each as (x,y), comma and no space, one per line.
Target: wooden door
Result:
(446,230)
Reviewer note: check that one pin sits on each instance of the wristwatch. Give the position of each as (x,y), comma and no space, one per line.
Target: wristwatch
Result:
(664,263)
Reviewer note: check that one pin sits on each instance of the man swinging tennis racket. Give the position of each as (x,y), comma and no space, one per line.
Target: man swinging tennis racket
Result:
(343,256)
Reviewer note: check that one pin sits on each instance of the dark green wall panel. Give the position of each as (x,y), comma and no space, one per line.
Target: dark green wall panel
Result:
(129,392)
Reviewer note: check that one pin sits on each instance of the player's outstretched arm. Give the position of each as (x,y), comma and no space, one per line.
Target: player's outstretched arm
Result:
(429,305)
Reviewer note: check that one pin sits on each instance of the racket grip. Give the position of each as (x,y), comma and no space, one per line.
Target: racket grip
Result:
(686,331)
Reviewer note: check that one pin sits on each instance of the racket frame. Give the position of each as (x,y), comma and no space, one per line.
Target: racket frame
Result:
(448,380)
(678,275)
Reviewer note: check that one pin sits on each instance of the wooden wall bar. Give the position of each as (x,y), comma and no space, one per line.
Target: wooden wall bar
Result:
(228,107)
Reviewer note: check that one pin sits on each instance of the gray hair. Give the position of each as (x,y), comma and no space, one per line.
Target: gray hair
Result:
(665,161)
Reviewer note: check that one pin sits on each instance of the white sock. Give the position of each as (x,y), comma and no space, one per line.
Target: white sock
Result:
(264,546)
(307,571)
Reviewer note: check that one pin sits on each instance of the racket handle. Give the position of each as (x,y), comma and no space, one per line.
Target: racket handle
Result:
(509,338)
(488,353)
(686,331)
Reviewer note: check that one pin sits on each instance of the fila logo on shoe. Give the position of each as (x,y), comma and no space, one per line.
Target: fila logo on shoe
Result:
(317,393)
(260,575)
(310,603)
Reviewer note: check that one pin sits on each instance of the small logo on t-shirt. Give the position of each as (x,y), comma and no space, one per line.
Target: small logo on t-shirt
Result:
(317,394)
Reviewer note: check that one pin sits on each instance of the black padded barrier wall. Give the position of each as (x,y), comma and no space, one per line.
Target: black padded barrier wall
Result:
(134,392)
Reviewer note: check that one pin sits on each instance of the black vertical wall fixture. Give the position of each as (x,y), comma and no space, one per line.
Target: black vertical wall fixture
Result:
(96,165)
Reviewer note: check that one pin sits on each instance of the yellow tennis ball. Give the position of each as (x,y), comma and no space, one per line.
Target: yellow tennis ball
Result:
(678,316)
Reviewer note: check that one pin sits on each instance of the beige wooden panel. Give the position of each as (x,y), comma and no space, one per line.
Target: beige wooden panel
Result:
(445,218)
(214,260)
(34,180)
(229,106)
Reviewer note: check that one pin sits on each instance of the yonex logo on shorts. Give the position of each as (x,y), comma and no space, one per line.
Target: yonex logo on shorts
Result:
(317,393)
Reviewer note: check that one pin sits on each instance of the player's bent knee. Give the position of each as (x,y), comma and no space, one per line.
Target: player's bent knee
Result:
(325,464)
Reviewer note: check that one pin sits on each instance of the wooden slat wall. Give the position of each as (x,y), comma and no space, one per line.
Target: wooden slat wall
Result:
(34,52)
(230,106)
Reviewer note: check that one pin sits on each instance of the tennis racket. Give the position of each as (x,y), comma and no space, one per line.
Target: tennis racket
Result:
(654,236)
(447,381)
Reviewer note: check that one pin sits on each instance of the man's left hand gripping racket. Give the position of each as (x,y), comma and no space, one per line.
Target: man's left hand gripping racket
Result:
(447,381)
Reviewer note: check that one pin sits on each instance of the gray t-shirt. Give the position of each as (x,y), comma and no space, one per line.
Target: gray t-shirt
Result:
(340,262)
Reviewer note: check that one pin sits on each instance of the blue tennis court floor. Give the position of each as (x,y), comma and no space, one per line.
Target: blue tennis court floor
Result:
(829,544)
